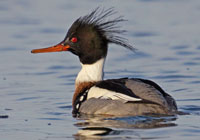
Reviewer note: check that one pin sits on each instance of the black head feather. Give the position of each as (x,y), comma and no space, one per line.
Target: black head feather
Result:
(107,28)
(93,32)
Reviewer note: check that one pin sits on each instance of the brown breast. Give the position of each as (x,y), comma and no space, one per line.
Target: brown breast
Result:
(80,87)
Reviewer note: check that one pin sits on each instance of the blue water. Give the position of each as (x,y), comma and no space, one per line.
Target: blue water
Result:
(36,90)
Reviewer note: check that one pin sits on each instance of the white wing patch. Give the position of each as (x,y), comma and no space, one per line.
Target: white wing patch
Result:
(96,92)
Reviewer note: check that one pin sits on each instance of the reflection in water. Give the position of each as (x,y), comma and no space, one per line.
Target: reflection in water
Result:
(94,133)
(98,126)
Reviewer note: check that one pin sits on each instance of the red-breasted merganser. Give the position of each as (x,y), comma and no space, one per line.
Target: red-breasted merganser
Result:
(88,38)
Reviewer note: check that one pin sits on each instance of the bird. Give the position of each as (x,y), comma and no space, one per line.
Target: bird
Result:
(88,38)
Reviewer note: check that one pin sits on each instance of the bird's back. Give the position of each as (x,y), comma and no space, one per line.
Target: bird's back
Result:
(128,97)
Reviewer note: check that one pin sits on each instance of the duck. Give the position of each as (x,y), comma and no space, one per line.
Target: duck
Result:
(88,38)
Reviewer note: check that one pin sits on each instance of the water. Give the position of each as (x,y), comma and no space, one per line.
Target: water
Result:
(36,90)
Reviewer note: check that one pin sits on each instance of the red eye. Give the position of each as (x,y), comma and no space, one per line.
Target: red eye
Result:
(74,39)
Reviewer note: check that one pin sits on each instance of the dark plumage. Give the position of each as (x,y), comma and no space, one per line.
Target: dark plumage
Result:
(107,30)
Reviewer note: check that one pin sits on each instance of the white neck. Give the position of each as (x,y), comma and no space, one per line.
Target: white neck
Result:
(91,72)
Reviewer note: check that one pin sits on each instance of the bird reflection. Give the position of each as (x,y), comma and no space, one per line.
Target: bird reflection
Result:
(96,127)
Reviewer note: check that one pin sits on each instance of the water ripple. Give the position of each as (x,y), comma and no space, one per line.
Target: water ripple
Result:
(67,76)
(20,21)
(44,73)
(4,116)
(196,58)
(169,59)
(51,30)
(180,47)
(198,48)
(58,67)
(66,107)
(169,71)
(28,98)
(143,34)
(190,63)
(9,48)
(184,53)
(181,89)
(195,82)
(131,56)
(173,77)
(55,113)
(57,119)
(186,100)
(191,108)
